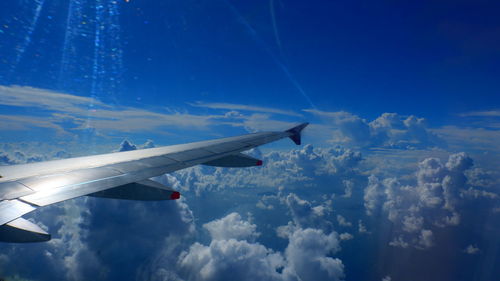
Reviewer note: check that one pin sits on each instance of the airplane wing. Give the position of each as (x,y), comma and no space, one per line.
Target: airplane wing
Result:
(122,175)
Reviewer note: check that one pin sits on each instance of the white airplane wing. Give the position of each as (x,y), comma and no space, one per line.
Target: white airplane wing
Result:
(122,175)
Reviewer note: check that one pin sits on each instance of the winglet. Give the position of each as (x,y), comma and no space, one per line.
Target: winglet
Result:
(295,133)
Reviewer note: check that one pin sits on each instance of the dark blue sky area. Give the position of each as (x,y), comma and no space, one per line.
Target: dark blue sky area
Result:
(422,58)
(429,58)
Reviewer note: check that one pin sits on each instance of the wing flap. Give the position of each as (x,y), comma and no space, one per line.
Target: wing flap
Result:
(11,190)
(146,190)
(13,209)
(190,155)
(22,231)
(235,160)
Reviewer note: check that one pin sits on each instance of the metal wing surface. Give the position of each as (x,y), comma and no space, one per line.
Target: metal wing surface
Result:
(123,175)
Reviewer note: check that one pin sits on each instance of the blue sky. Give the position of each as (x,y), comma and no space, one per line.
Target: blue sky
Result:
(399,171)
(428,59)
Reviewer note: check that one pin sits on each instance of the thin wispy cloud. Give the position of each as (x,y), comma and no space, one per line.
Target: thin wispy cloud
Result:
(489,113)
(19,123)
(48,109)
(244,107)
(23,96)
(66,114)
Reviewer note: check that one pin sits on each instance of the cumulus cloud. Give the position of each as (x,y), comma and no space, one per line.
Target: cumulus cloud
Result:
(230,259)
(57,257)
(426,239)
(343,221)
(349,186)
(345,236)
(17,157)
(433,201)
(306,215)
(135,232)
(231,256)
(389,130)
(362,227)
(471,250)
(232,227)
(127,146)
(480,178)
(265,202)
(309,245)
(307,255)
(305,167)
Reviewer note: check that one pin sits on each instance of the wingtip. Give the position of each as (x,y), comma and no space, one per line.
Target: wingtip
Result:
(295,133)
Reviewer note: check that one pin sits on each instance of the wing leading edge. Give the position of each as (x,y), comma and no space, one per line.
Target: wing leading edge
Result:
(122,175)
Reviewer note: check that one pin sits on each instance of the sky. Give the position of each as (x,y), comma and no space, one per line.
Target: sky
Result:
(397,177)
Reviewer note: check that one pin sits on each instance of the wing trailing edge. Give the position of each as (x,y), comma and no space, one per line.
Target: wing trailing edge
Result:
(146,190)
(235,161)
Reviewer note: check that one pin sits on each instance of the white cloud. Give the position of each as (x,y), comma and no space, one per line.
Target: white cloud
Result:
(479,177)
(471,250)
(353,129)
(426,239)
(374,194)
(399,242)
(307,258)
(433,202)
(305,215)
(490,113)
(263,122)
(232,227)
(264,202)
(127,145)
(23,96)
(388,130)
(244,107)
(361,227)
(231,255)
(24,123)
(349,185)
(303,167)
(84,113)
(298,168)
(473,139)
(343,222)
(83,227)
(345,236)
(230,260)
(412,223)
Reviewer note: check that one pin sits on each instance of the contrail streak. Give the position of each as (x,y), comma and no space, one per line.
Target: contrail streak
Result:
(265,47)
(275,27)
